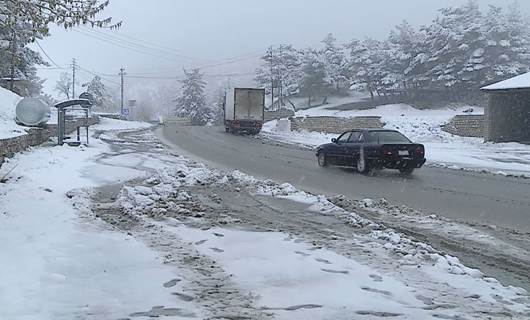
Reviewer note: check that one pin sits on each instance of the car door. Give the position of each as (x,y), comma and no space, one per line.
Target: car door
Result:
(350,149)
(337,149)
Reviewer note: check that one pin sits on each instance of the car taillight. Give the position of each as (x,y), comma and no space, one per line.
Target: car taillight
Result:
(420,151)
(387,152)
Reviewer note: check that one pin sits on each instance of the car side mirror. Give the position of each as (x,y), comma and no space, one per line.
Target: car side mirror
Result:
(334,140)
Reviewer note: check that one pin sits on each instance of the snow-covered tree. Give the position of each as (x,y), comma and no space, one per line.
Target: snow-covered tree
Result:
(191,102)
(455,44)
(64,85)
(313,84)
(403,63)
(41,13)
(17,60)
(365,64)
(24,21)
(335,63)
(102,99)
(280,71)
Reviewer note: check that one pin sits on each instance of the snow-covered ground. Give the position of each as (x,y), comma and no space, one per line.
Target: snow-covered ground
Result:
(53,264)
(391,275)
(424,126)
(60,261)
(8,103)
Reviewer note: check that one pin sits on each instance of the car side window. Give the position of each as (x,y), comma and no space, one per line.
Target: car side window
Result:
(344,138)
(354,138)
(361,138)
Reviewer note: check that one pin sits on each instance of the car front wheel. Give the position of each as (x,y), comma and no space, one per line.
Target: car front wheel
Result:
(322,159)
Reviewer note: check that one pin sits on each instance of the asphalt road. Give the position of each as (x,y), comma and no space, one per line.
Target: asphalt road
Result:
(466,196)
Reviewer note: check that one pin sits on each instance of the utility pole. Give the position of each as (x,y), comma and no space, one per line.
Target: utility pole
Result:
(122,74)
(13,14)
(74,69)
(272,78)
(280,78)
(13,59)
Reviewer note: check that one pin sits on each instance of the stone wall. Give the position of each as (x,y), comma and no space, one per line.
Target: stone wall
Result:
(334,124)
(508,116)
(279,114)
(466,126)
(37,136)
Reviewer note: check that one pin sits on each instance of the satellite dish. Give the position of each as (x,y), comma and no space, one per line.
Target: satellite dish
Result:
(32,112)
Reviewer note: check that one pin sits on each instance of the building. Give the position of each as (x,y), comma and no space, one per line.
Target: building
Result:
(507,115)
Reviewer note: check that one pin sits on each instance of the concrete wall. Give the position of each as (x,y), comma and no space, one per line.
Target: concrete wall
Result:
(466,126)
(334,124)
(507,116)
(37,136)
(279,114)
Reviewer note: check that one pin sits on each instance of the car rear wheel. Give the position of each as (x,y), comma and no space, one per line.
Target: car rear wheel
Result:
(362,164)
(322,159)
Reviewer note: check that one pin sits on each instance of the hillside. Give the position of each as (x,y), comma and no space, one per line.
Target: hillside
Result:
(8,103)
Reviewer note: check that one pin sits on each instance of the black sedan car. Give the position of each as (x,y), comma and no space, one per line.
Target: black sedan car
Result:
(369,149)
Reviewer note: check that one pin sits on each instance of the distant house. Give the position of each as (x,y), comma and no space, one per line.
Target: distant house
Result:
(507,116)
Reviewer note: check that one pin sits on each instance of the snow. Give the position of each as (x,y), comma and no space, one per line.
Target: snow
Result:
(424,126)
(520,82)
(287,274)
(59,266)
(54,264)
(8,103)
(119,125)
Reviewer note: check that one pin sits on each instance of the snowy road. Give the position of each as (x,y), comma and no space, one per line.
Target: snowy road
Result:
(472,197)
(246,248)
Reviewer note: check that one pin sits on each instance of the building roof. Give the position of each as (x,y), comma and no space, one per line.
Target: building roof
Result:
(516,83)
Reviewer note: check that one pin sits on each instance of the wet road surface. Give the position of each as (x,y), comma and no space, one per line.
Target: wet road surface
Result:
(466,196)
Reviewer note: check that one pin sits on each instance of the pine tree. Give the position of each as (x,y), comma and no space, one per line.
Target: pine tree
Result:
(455,43)
(67,13)
(102,99)
(17,60)
(334,63)
(403,63)
(191,101)
(314,82)
(365,64)
(24,21)
(280,71)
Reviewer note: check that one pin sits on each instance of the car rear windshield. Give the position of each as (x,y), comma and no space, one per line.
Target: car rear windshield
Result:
(383,137)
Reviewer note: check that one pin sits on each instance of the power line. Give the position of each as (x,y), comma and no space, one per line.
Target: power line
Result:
(46,54)
(133,76)
(147,51)
(139,43)
(128,47)
(101,75)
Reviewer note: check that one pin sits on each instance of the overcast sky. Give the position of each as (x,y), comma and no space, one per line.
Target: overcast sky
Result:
(205,32)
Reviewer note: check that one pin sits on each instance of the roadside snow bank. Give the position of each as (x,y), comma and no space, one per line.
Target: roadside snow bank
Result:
(54,264)
(106,124)
(8,103)
(263,262)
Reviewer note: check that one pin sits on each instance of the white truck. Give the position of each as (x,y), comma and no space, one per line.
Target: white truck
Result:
(244,110)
